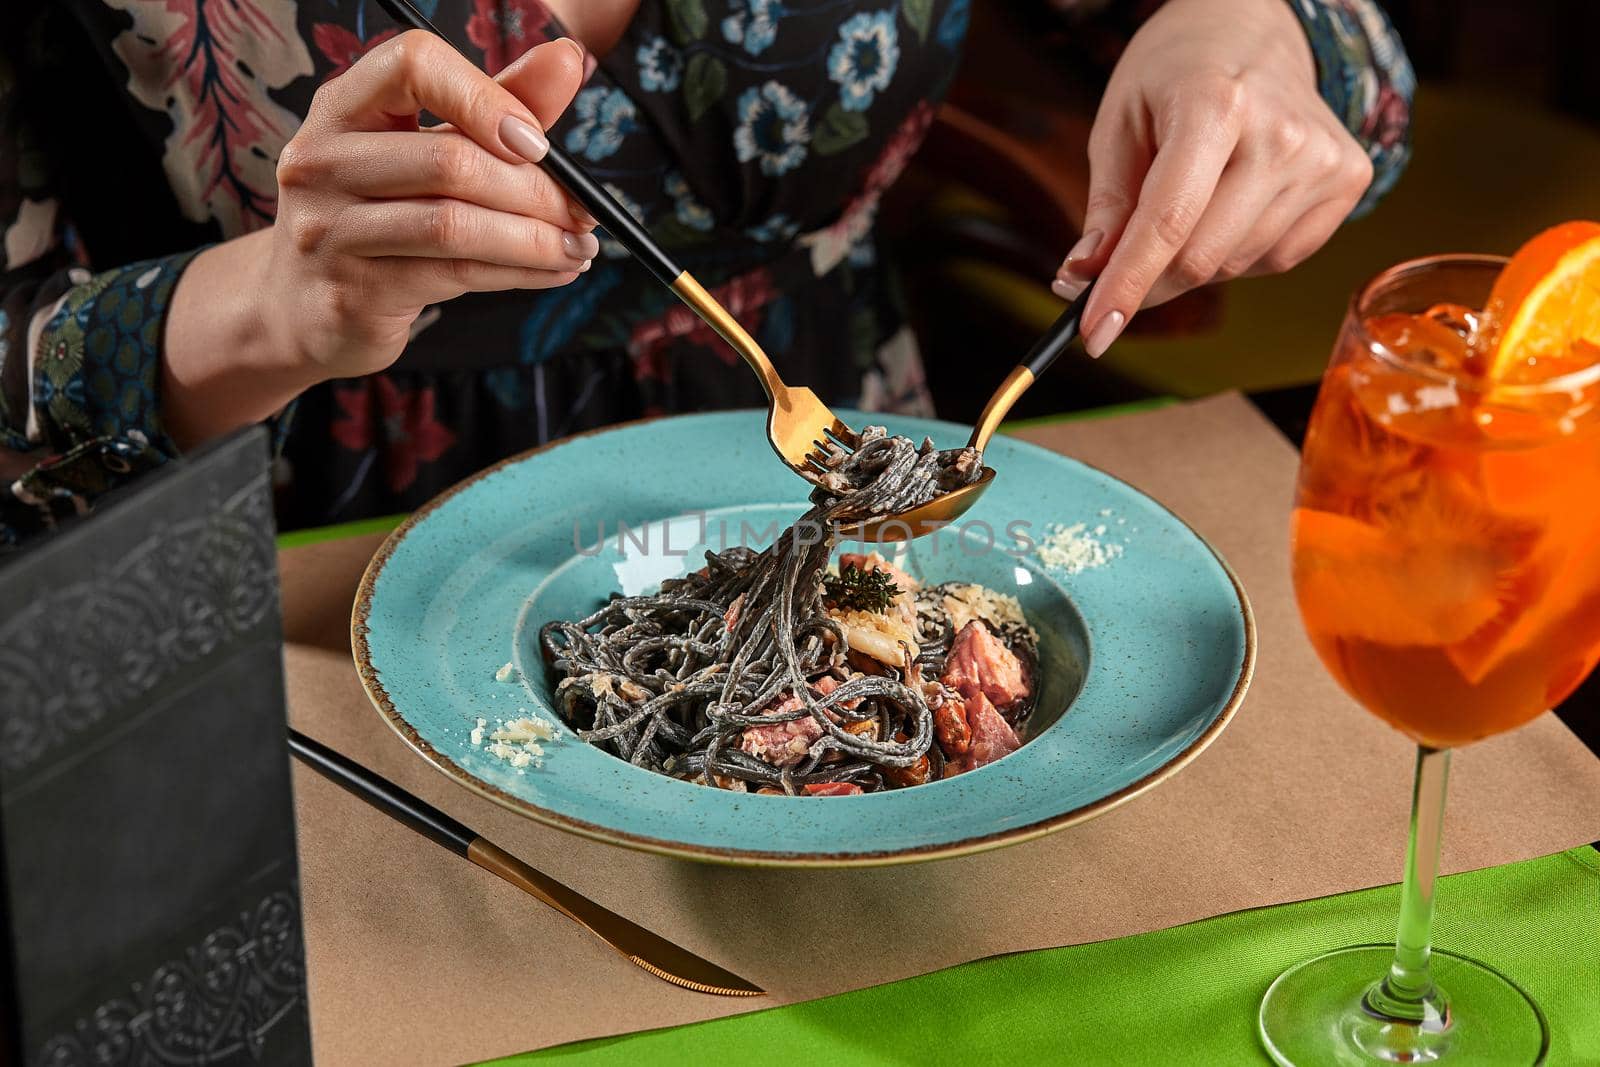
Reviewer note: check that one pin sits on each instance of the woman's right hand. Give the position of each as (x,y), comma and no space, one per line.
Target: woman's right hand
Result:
(378,218)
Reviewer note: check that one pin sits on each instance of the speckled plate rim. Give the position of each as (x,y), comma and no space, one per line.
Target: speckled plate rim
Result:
(381,700)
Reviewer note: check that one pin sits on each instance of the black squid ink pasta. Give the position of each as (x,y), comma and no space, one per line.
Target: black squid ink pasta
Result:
(766,671)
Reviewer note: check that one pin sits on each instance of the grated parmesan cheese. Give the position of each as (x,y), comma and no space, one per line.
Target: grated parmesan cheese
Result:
(524,730)
(504,673)
(1074,549)
(517,741)
(964,602)
(519,756)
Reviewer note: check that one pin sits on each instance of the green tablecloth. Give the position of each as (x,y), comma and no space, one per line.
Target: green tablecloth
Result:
(1187,995)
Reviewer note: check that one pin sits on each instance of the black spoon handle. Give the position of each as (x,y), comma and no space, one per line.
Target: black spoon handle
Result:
(620,225)
(1055,340)
(1061,333)
(383,794)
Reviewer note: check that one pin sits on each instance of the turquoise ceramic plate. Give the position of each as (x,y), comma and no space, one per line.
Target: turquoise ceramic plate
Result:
(1143,659)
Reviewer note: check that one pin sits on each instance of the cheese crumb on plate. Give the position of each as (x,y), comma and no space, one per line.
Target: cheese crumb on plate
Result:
(524,730)
(516,741)
(1075,549)
(964,602)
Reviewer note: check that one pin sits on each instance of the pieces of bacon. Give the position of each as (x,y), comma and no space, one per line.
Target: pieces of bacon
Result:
(988,676)
(979,662)
(783,744)
(831,789)
(992,736)
(951,729)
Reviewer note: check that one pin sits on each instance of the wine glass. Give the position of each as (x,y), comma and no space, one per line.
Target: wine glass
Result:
(1446,548)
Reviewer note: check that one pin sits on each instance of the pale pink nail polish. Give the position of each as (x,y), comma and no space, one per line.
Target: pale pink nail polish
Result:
(523,138)
(1104,333)
(1067,288)
(586,264)
(1084,248)
(580,245)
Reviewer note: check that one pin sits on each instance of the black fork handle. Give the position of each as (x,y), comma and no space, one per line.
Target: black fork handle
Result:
(579,183)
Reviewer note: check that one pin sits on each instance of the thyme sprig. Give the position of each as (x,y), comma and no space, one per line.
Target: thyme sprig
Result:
(861,590)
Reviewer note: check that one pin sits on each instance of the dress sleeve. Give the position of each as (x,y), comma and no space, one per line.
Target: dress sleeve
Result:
(80,351)
(1364,75)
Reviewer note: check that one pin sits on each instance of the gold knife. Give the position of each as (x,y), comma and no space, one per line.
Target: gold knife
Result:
(653,953)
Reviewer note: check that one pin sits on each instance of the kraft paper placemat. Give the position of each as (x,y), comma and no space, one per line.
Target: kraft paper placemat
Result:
(418,957)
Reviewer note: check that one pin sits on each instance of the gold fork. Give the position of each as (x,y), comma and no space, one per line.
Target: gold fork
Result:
(799,425)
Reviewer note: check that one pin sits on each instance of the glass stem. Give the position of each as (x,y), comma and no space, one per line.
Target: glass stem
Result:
(1407,991)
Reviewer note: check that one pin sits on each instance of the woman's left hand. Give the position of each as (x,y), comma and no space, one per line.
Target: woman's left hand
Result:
(1212,156)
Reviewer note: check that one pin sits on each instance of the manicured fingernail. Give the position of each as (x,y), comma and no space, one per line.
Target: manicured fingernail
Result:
(580,245)
(1067,288)
(582,217)
(577,46)
(586,264)
(1083,249)
(523,138)
(1104,332)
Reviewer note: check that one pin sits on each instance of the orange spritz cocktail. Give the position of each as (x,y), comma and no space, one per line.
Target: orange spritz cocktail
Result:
(1447,565)
(1447,527)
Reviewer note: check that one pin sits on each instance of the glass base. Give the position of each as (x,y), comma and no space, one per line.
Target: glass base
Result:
(1321,1013)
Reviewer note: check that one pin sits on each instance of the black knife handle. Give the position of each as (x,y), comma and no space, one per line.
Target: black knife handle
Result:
(382,794)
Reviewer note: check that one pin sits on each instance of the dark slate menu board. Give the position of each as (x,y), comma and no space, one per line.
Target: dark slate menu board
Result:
(152,910)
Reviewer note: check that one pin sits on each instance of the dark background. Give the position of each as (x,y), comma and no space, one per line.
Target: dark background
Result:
(1543,51)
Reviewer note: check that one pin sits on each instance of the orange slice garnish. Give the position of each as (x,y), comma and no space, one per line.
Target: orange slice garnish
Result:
(1435,582)
(1545,302)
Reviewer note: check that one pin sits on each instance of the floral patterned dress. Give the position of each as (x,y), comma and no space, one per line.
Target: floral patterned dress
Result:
(754,138)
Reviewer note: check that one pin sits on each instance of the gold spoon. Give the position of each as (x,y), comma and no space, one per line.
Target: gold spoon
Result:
(947,507)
